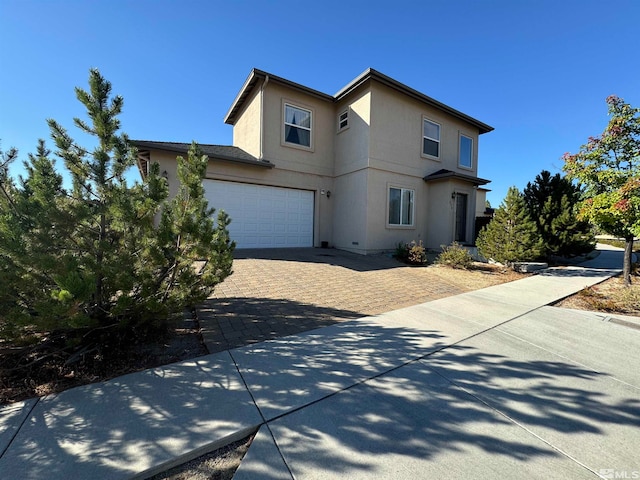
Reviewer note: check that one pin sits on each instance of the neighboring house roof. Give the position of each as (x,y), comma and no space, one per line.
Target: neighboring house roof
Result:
(449,174)
(225,153)
(369,74)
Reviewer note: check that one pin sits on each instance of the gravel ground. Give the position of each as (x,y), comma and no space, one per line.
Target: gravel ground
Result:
(220,464)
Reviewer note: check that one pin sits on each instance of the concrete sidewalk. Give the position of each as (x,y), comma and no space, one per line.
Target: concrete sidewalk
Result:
(491,383)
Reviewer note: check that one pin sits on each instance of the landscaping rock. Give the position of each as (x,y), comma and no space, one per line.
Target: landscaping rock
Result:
(528,267)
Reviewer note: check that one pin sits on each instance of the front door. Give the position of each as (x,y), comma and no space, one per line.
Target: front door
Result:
(461,217)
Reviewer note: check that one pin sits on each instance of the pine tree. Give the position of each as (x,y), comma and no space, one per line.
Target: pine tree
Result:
(511,236)
(552,201)
(94,256)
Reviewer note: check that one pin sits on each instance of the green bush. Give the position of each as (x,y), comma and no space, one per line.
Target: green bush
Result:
(455,256)
(402,252)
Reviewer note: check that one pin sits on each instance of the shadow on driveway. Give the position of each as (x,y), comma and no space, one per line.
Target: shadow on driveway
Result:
(329,256)
(234,322)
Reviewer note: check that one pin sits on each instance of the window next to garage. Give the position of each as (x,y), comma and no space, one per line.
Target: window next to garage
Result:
(401,207)
(297,125)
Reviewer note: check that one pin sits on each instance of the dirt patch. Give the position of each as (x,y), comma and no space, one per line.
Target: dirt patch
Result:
(481,275)
(49,367)
(220,464)
(610,296)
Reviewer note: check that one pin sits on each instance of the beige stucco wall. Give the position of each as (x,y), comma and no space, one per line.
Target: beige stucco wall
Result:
(350,200)
(441,211)
(246,131)
(352,144)
(380,235)
(481,200)
(396,135)
(317,160)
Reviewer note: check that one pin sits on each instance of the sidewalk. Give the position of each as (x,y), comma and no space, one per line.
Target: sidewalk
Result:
(484,384)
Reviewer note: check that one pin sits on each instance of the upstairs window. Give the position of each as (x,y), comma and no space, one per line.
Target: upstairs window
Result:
(343,120)
(466,152)
(430,138)
(401,207)
(297,125)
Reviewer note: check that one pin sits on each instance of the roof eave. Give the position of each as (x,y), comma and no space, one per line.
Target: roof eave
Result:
(256,75)
(185,149)
(371,74)
(457,176)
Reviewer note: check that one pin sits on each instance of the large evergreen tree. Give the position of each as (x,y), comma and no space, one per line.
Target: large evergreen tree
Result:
(94,255)
(511,236)
(608,167)
(552,201)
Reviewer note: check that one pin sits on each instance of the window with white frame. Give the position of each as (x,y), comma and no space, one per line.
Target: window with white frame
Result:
(401,206)
(343,120)
(430,138)
(466,151)
(297,125)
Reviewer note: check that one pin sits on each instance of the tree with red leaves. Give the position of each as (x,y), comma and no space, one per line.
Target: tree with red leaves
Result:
(608,167)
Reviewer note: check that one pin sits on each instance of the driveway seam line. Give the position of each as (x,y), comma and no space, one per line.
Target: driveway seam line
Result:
(385,372)
(264,421)
(24,420)
(569,359)
(512,420)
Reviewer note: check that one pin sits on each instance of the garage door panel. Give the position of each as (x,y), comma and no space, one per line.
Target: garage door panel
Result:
(263,216)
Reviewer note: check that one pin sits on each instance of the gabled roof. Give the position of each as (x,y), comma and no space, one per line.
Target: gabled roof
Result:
(257,75)
(449,174)
(370,74)
(215,152)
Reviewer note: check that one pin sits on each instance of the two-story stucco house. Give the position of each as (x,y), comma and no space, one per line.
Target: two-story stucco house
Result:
(375,164)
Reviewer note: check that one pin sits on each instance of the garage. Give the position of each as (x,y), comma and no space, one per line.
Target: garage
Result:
(263,216)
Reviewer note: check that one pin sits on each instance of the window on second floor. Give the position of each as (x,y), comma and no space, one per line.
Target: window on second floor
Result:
(297,125)
(466,152)
(343,120)
(401,206)
(430,138)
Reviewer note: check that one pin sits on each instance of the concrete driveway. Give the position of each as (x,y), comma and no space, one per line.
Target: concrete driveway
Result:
(279,292)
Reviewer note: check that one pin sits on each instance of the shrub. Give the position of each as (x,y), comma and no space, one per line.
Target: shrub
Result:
(455,256)
(417,253)
(412,253)
(402,252)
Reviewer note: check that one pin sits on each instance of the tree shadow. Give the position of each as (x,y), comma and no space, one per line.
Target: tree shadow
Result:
(329,256)
(448,412)
(236,321)
(128,425)
(376,397)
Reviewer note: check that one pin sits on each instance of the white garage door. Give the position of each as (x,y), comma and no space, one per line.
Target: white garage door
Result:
(264,217)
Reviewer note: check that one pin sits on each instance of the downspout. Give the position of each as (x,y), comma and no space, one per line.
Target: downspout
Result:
(264,84)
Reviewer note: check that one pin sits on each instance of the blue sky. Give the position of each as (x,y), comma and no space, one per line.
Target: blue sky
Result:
(537,70)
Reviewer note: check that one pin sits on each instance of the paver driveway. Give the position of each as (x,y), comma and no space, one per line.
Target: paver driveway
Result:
(273,293)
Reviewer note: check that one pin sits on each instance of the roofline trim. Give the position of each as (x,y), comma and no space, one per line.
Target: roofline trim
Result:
(254,76)
(370,74)
(172,148)
(458,176)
